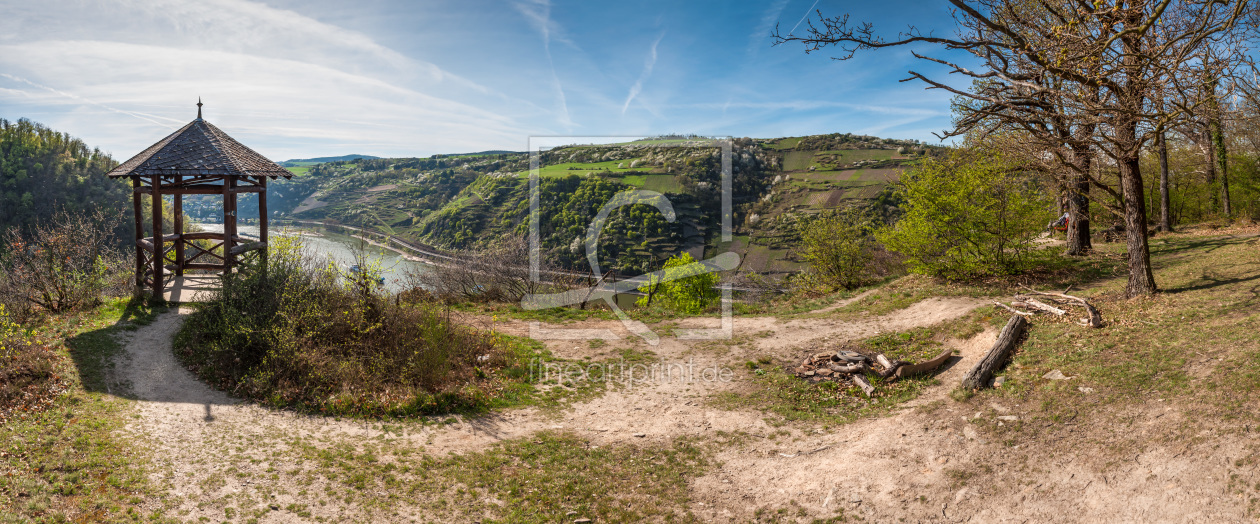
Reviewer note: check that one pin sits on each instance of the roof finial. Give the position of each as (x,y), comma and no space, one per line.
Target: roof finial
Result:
(198,108)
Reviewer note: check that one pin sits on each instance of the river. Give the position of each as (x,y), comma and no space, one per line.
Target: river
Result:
(340,248)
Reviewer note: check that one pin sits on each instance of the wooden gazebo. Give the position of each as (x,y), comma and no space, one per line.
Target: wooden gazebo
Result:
(198,159)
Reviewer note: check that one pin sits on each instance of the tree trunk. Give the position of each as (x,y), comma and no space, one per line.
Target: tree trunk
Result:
(1220,163)
(1165,218)
(1128,149)
(1209,153)
(1078,242)
(1216,143)
(982,373)
(1141,280)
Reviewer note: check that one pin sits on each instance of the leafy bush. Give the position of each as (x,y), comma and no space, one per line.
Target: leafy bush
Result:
(970,214)
(685,286)
(299,334)
(62,264)
(840,248)
(28,371)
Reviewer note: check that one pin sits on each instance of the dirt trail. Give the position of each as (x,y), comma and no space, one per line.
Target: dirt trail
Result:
(211,449)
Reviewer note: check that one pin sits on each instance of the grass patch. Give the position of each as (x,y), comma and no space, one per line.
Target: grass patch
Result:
(557,315)
(65,461)
(547,477)
(916,345)
(581,168)
(779,392)
(1191,347)
(658,183)
(783,143)
(1052,271)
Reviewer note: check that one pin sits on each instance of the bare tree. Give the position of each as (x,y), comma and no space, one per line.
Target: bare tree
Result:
(61,264)
(499,272)
(1060,69)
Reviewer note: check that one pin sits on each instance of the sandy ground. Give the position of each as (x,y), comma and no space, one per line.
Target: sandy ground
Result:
(927,462)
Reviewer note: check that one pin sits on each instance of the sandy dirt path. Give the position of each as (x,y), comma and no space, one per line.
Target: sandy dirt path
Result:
(211,451)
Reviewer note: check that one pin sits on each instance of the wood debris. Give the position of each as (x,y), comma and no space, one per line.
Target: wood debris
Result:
(851,367)
(1027,306)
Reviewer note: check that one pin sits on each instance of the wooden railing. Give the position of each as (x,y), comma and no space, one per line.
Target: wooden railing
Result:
(196,256)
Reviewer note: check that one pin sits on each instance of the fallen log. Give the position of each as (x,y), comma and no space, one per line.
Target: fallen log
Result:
(857,367)
(1037,304)
(1095,318)
(890,366)
(910,370)
(861,382)
(980,375)
(1011,309)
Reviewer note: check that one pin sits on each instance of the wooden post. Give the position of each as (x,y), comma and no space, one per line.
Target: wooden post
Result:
(139,217)
(179,228)
(229,223)
(157,238)
(262,220)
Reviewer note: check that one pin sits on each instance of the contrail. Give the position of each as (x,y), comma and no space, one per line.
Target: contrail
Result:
(807,11)
(72,96)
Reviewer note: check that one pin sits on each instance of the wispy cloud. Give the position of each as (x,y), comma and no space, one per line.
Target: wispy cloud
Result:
(391,77)
(810,105)
(761,33)
(538,14)
(261,98)
(648,64)
(287,77)
(169,122)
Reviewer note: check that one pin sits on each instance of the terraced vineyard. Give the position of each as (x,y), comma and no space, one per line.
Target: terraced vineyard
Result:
(464,201)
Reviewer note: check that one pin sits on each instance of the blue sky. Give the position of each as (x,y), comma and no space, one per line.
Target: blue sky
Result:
(396,78)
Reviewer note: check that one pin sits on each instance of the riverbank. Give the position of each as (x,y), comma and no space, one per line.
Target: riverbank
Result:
(342,250)
(405,255)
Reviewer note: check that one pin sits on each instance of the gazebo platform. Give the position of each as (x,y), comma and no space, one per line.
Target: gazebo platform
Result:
(197,159)
(192,288)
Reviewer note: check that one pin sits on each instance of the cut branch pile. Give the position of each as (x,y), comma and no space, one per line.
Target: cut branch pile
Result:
(850,367)
(1027,306)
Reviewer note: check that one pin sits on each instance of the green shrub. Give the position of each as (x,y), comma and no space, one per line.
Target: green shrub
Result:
(969,214)
(301,334)
(840,248)
(28,371)
(685,286)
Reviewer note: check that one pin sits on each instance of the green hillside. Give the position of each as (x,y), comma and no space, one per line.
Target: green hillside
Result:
(464,201)
(300,162)
(43,171)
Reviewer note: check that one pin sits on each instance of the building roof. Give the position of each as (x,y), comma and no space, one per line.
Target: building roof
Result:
(199,148)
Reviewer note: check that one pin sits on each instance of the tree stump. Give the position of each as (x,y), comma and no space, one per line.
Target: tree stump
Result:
(980,375)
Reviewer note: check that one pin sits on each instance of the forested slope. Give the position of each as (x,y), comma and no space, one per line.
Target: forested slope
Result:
(43,171)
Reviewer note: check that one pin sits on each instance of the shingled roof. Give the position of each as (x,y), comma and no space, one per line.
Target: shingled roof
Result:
(199,148)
